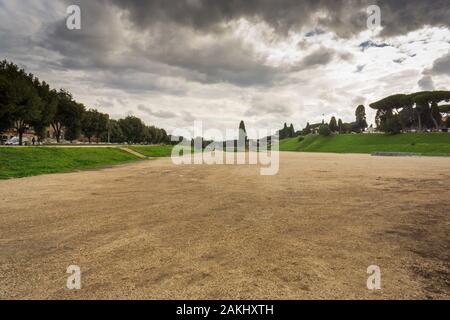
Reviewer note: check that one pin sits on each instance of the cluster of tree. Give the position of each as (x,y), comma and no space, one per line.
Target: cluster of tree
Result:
(338,126)
(133,130)
(419,111)
(26,102)
(287,132)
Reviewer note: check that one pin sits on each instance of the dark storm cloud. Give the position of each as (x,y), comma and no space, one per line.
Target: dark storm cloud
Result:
(208,15)
(343,17)
(319,57)
(168,29)
(89,47)
(402,16)
(167,50)
(441,65)
(224,59)
(426,83)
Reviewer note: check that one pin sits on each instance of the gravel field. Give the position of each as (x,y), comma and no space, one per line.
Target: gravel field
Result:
(154,230)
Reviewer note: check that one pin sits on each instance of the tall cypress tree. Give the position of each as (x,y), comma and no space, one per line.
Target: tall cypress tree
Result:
(242,132)
(333,125)
(360,113)
(291,131)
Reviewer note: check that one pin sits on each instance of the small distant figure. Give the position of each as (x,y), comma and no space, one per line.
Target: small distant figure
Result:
(33,141)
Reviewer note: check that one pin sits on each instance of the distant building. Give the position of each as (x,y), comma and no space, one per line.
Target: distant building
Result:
(315,128)
(50,136)
(11,133)
(370,129)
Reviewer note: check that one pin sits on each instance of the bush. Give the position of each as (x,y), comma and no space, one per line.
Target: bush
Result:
(301,138)
(324,130)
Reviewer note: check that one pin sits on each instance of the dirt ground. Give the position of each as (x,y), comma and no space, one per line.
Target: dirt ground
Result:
(153,230)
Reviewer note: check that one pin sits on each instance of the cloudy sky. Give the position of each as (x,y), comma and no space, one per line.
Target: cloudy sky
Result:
(264,61)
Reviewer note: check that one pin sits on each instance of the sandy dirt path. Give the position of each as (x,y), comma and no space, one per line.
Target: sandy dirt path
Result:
(155,230)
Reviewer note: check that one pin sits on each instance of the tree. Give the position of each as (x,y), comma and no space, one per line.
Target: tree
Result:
(68,114)
(307,129)
(153,134)
(243,132)
(380,117)
(396,101)
(386,108)
(324,130)
(283,133)
(333,125)
(147,136)
(113,133)
(116,133)
(72,132)
(48,108)
(132,128)
(24,108)
(88,123)
(5,121)
(156,135)
(287,132)
(291,131)
(435,115)
(74,117)
(164,136)
(426,103)
(347,127)
(418,108)
(21,103)
(360,113)
(407,117)
(340,126)
(102,125)
(94,123)
(27,102)
(392,124)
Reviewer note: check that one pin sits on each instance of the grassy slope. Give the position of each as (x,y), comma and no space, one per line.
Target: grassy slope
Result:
(153,151)
(29,161)
(423,143)
(158,151)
